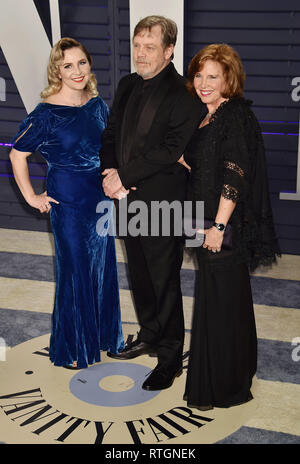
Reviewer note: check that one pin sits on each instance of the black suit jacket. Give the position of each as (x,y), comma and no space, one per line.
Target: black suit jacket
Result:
(166,123)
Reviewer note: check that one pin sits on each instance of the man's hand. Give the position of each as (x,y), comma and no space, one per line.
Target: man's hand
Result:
(122,193)
(112,182)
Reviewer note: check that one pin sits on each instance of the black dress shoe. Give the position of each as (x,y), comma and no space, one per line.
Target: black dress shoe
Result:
(161,378)
(133,350)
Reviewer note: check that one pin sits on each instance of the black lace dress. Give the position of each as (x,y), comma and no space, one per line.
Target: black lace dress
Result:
(227,158)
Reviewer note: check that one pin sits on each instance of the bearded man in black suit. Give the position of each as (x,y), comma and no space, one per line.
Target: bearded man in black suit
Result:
(151,121)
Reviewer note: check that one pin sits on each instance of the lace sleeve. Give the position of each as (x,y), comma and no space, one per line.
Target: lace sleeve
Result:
(242,171)
(235,159)
(234,167)
(230,193)
(234,176)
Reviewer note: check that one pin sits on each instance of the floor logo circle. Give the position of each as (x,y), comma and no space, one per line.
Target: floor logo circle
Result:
(104,404)
(86,384)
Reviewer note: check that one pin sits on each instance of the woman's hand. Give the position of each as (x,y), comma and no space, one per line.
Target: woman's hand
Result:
(213,239)
(122,193)
(213,236)
(41,202)
(181,161)
(21,173)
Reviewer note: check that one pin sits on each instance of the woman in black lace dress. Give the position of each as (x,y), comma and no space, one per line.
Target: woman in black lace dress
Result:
(228,173)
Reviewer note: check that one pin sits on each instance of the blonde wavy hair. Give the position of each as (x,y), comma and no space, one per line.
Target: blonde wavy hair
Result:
(55,60)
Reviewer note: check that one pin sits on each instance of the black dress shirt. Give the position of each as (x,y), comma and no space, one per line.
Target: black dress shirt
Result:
(141,94)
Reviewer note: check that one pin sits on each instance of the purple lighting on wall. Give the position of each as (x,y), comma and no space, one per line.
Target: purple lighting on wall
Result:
(31,177)
(279,122)
(264,133)
(279,133)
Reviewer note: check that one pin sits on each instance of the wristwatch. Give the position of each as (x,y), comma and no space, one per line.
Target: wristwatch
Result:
(221,227)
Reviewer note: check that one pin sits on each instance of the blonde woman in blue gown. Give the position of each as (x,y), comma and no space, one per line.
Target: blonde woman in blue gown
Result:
(66,128)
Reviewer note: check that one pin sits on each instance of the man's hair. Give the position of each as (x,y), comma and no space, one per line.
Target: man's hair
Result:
(231,64)
(168,29)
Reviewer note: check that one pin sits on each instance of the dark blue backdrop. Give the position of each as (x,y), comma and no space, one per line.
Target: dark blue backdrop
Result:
(266,34)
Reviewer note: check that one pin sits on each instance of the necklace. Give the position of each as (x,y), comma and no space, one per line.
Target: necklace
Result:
(80,104)
(77,104)
(206,120)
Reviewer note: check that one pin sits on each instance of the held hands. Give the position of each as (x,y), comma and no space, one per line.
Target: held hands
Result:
(122,193)
(111,182)
(213,239)
(112,185)
(41,202)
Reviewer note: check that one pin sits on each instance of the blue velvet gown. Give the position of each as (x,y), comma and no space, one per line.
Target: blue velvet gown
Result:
(86,315)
